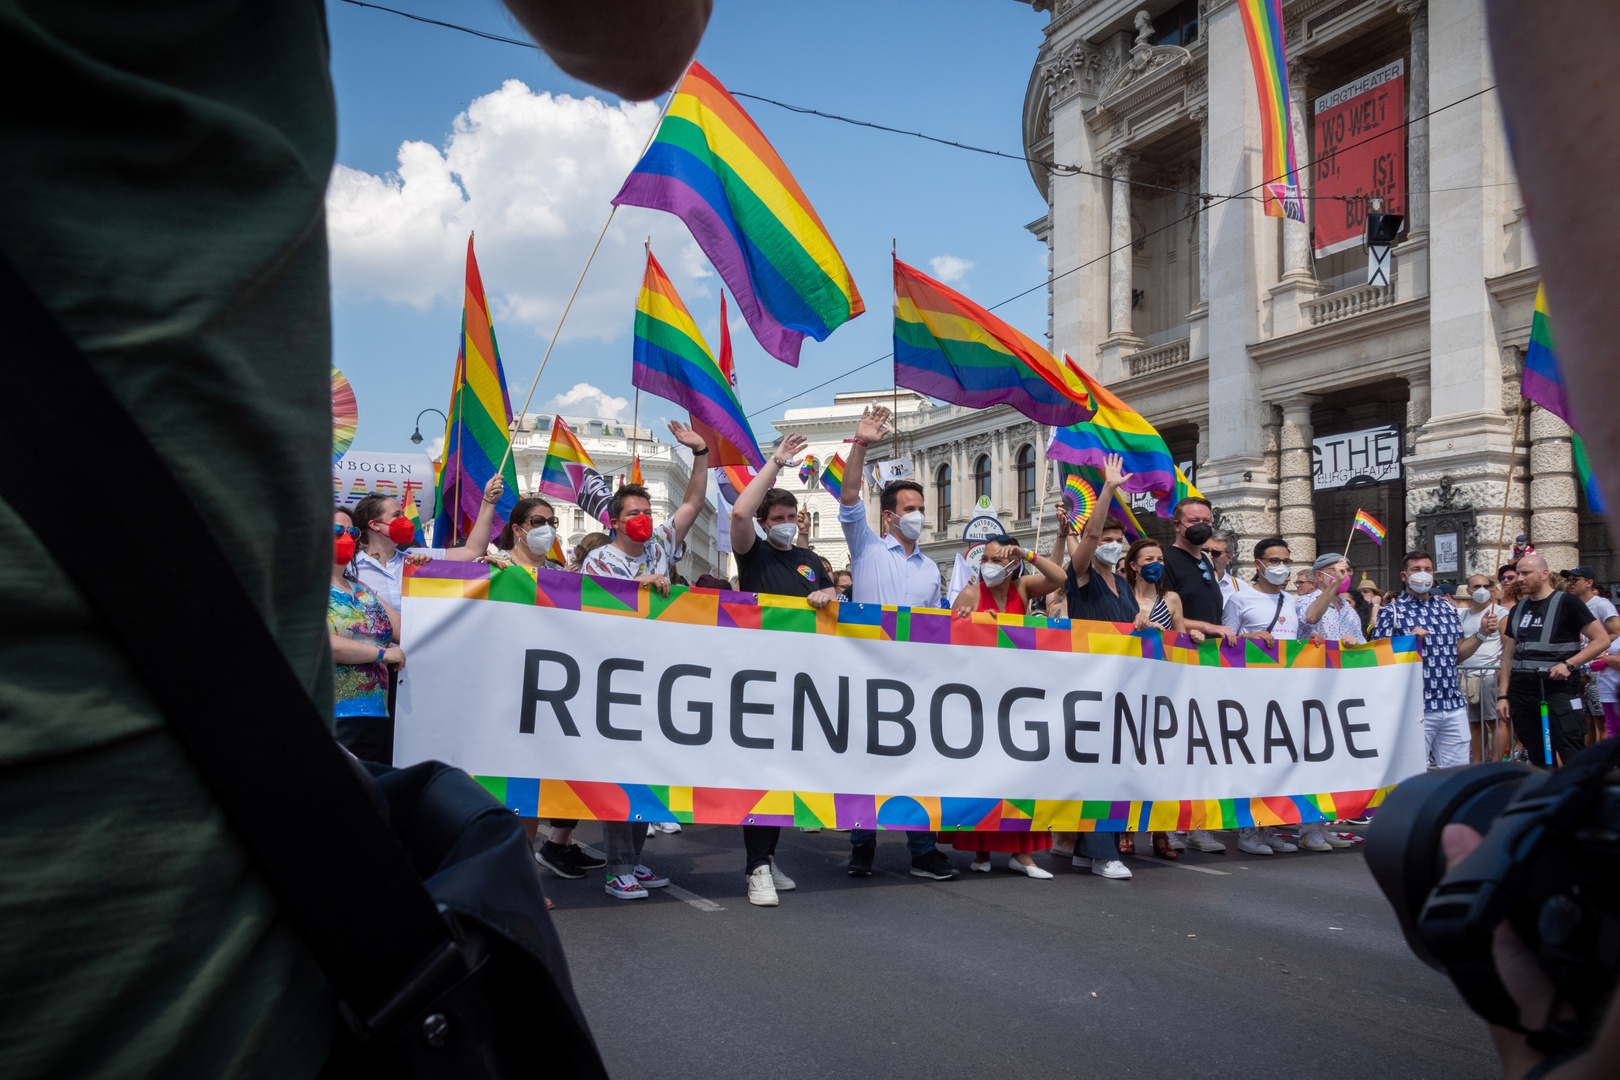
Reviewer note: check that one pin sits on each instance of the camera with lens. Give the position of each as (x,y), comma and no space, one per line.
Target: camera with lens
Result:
(1549,865)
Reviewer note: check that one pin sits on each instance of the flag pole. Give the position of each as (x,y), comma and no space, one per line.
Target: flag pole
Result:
(635,430)
(612,209)
(1351,538)
(1513,461)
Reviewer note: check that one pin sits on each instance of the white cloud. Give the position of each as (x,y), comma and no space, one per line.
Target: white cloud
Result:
(533,174)
(583,399)
(948,268)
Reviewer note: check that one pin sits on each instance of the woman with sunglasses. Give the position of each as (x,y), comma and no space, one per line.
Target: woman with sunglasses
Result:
(364,632)
(529,538)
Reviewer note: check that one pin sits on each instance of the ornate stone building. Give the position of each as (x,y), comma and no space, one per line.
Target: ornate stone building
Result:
(1243,340)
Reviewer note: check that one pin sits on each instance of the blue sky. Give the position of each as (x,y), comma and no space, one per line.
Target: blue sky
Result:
(539,171)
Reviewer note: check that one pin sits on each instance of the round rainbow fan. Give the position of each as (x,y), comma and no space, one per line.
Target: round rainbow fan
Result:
(1079,497)
(345,414)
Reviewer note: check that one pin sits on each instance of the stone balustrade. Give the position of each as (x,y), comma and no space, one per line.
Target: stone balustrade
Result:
(1172,354)
(1347,303)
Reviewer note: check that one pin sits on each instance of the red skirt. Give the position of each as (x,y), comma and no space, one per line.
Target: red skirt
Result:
(1010,842)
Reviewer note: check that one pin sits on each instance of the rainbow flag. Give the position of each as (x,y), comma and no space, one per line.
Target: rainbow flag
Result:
(714,169)
(570,474)
(414,516)
(832,477)
(1263,27)
(1093,478)
(809,470)
(673,361)
(1116,428)
(478,431)
(1366,523)
(1543,383)
(946,346)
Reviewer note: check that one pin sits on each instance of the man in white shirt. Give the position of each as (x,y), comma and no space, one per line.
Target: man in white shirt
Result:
(385,529)
(1481,617)
(888,570)
(1583,586)
(1265,612)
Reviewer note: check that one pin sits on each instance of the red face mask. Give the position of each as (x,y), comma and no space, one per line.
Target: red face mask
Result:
(639,528)
(401,531)
(342,549)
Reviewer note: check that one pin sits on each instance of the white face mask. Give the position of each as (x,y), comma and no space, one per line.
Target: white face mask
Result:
(992,574)
(911,525)
(1278,575)
(1110,552)
(540,538)
(1420,582)
(1481,596)
(784,534)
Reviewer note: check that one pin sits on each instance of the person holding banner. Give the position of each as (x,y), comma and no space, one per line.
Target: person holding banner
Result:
(386,529)
(640,551)
(527,538)
(364,634)
(890,570)
(776,566)
(1003,588)
(1094,587)
(1191,575)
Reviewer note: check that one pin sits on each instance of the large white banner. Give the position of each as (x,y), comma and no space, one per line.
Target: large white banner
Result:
(614,697)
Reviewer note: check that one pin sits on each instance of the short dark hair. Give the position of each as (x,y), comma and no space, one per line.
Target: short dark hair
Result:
(1191,500)
(1267,543)
(891,492)
(1413,556)
(1113,523)
(836,574)
(616,504)
(775,497)
(1504,568)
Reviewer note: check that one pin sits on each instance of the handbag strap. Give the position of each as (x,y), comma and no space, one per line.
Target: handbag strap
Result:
(1275,615)
(287,788)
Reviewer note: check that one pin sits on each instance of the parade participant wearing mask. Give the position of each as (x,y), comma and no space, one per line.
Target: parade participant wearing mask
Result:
(364,633)
(1325,609)
(1582,585)
(776,566)
(1477,674)
(1008,579)
(527,538)
(1421,611)
(1192,576)
(1095,588)
(641,551)
(888,570)
(385,531)
(1541,648)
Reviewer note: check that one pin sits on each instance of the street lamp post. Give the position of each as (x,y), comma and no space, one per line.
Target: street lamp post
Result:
(416,436)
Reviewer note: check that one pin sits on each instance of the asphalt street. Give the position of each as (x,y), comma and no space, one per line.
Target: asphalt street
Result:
(1216,966)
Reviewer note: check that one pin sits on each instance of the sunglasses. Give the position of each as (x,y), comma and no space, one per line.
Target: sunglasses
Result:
(340,530)
(538,521)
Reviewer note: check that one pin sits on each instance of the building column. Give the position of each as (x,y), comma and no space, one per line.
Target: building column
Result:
(1119,244)
(1200,116)
(1297,234)
(960,481)
(1554,523)
(1417,132)
(1296,508)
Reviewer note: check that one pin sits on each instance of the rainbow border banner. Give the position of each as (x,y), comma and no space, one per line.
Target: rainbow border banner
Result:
(443,639)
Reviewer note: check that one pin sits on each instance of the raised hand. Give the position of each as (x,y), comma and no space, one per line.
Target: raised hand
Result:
(804,519)
(686,436)
(494,489)
(873,425)
(791,447)
(1114,470)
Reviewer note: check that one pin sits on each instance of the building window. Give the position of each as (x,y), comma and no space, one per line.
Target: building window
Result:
(981,477)
(1178,26)
(942,497)
(579,519)
(815,525)
(1026,481)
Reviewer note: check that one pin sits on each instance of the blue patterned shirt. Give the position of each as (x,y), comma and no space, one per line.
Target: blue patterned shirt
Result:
(1438,615)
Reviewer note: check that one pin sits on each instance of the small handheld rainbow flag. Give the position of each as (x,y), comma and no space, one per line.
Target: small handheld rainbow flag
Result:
(1080,497)
(809,470)
(1366,523)
(413,516)
(832,477)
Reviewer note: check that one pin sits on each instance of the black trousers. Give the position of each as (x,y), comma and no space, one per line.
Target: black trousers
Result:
(369,738)
(1567,723)
(759,842)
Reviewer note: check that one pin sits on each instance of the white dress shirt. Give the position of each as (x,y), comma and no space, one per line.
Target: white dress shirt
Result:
(884,573)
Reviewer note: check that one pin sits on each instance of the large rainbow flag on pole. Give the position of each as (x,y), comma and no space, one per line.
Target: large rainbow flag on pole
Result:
(948,347)
(1116,428)
(713,168)
(673,361)
(478,431)
(1263,27)
(1543,383)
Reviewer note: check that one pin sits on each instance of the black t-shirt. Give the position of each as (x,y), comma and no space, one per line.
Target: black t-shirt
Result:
(1095,602)
(1193,579)
(794,572)
(1524,626)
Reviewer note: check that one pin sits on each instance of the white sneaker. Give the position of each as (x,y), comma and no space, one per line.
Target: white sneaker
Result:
(1333,838)
(1251,842)
(667,826)
(782,882)
(1178,841)
(1111,868)
(1203,841)
(1311,838)
(1081,861)
(1277,843)
(1031,870)
(761,890)
(811,828)
(625,887)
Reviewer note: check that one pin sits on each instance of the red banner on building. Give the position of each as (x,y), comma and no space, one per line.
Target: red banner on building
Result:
(1360,152)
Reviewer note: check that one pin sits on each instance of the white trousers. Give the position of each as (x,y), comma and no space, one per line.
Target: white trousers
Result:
(1445,733)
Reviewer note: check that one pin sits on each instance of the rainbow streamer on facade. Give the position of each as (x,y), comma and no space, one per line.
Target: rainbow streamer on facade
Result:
(1263,27)
(832,477)
(1371,526)
(1543,383)
(478,431)
(948,347)
(713,168)
(673,361)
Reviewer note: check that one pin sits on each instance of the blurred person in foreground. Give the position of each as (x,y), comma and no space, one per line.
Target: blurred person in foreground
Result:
(166,203)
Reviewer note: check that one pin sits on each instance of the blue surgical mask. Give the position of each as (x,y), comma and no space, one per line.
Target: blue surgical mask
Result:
(1152,572)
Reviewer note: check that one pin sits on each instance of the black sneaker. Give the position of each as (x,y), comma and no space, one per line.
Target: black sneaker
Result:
(860,860)
(933,865)
(554,857)
(580,858)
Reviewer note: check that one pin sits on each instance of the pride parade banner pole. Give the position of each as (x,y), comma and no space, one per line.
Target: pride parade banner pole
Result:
(573,696)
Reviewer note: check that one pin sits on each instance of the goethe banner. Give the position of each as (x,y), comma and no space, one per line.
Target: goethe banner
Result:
(585,697)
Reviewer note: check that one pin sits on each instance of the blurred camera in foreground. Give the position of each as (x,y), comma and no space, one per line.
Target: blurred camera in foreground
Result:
(1549,865)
